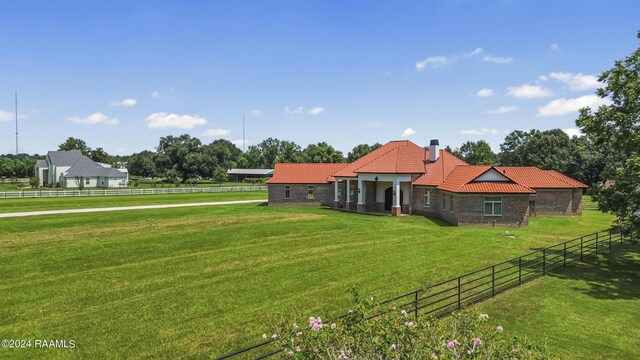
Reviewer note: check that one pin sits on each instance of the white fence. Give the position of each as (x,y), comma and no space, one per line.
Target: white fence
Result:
(121,192)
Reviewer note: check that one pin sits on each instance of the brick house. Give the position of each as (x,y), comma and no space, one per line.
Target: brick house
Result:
(403,178)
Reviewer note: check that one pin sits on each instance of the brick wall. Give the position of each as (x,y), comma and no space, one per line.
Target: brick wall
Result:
(417,201)
(558,201)
(469,210)
(323,194)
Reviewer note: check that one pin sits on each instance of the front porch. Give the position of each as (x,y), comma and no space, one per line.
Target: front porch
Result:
(382,194)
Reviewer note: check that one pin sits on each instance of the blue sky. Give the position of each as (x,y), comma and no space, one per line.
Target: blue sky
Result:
(121,74)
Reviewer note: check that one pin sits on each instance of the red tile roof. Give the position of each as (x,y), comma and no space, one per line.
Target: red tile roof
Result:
(461,180)
(439,170)
(395,157)
(306,173)
(533,177)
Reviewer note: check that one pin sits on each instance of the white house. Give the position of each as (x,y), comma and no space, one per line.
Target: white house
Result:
(69,168)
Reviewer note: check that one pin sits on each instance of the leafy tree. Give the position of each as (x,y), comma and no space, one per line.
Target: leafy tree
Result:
(550,149)
(476,153)
(360,151)
(180,153)
(142,164)
(220,175)
(615,129)
(99,155)
(289,152)
(322,153)
(222,153)
(75,144)
(34,182)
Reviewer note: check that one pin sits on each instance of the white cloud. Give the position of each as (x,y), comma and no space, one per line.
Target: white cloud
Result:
(292,111)
(555,47)
(497,59)
(433,62)
(503,110)
(528,91)
(375,123)
(573,132)
(408,132)
(255,112)
(564,106)
(542,78)
(155,94)
(95,118)
(163,120)
(477,51)
(238,143)
(576,82)
(316,111)
(481,131)
(124,102)
(216,132)
(11,116)
(485,92)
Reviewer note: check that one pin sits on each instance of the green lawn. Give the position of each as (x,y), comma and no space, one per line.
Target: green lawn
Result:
(36,204)
(197,282)
(583,312)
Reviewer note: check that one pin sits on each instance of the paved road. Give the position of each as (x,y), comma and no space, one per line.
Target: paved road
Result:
(123,208)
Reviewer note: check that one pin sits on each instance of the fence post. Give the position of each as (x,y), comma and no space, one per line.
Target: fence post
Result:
(520,270)
(459,292)
(581,242)
(564,263)
(596,244)
(544,262)
(415,303)
(493,280)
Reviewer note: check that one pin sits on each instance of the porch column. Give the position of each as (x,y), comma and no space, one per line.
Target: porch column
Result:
(396,209)
(336,199)
(347,204)
(361,205)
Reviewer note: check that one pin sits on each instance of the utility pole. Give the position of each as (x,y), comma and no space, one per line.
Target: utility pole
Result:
(16,122)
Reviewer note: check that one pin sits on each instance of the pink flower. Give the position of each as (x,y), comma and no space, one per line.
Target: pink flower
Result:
(343,356)
(500,329)
(410,324)
(477,342)
(315,323)
(452,343)
(290,353)
(483,316)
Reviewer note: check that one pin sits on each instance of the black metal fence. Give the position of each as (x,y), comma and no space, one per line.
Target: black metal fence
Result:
(451,295)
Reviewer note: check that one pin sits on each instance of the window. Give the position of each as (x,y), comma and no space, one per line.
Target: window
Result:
(444,201)
(310,193)
(451,203)
(427,198)
(86,181)
(287,192)
(493,206)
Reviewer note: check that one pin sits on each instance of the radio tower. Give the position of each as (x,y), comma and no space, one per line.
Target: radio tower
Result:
(16,122)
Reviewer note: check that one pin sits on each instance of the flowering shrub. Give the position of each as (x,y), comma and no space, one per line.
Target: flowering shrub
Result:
(399,335)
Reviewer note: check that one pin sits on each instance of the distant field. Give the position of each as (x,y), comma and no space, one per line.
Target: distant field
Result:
(199,282)
(36,204)
(582,312)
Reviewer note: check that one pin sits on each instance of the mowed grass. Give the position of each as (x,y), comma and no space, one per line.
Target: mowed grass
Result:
(588,311)
(20,205)
(200,282)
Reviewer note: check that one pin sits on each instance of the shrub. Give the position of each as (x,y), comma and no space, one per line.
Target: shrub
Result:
(399,335)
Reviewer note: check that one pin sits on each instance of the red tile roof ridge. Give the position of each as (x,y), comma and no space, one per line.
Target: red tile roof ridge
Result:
(564,178)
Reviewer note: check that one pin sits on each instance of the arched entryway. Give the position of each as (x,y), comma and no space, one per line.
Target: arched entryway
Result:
(388,198)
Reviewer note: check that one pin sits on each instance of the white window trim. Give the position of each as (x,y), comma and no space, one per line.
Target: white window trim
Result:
(427,198)
(311,193)
(493,206)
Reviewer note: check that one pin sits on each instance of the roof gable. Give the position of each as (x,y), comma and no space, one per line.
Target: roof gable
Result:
(481,179)
(64,158)
(394,157)
(439,170)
